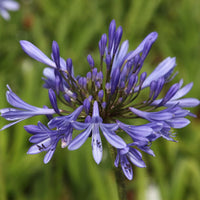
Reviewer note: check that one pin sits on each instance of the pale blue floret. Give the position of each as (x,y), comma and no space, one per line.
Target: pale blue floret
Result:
(93,127)
(44,139)
(21,110)
(129,154)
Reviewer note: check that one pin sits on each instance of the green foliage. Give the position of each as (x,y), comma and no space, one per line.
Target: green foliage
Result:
(77,26)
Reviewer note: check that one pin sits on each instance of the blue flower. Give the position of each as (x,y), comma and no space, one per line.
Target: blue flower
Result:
(21,110)
(44,139)
(7,5)
(99,103)
(93,127)
(129,154)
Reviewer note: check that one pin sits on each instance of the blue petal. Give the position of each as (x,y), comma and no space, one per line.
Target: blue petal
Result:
(127,168)
(80,125)
(118,36)
(37,129)
(66,140)
(115,80)
(120,56)
(4,13)
(116,163)
(158,116)
(42,146)
(62,122)
(136,158)
(95,112)
(48,156)
(151,37)
(112,29)
(10,5)
(112,138)
(36,53)
(142,130)
(185,103)
(165,67)
(17,102)
(170,93)
(183,91)
(14,114)
(97,149)
(111,127)
(50,80)
(56,53)
(38,138)
(178,122)
(11,124)
(80,139)
(53,100)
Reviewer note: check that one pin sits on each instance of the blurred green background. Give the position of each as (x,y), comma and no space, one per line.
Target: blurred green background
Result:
(174,174)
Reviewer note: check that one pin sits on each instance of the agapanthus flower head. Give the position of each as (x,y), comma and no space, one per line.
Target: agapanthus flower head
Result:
(8,5)
(98,104)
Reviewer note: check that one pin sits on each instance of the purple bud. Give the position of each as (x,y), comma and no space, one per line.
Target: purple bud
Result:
(153,85)
(58,80)
(69,65)
(160,84)
(82,81)
(131,83)
(89,76)
(52,98)
(86,105)
(88,119)
(100,76)
(171,92)
(56,54)
(122,84)
(136,60)
(95,112)
(103,105)
(108,61)
(94,74)
(115,80)
(149,38)
(98,84)
(100,48)
(108,87)
(130,63)
(147,46)
(142,78)
(102,44)
(100,94)
(90,98)
(67,98)
(118,37)
(90,61)
(120,99)
(123,73)
(111,34)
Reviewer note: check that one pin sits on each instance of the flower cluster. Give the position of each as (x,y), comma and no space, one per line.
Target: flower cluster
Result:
(7,5)
(102,102)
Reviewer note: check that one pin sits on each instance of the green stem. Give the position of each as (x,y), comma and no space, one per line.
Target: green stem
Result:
(120,178)
(120,184)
